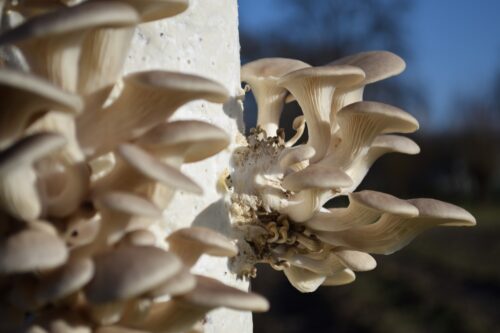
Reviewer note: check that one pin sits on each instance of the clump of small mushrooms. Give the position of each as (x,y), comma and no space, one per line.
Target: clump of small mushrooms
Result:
(279,187)
(85,174)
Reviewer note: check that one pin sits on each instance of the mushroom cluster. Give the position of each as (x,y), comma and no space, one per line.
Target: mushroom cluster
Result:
(280,188)
(88,161)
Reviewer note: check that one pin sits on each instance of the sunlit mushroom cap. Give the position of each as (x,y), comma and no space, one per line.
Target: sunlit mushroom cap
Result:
(30,250)
(183,86)
(317,176)
(195,140)
(211,293)
(203,240)
(377,65)
(127,203)
(270,68)
(127,272)
(443,212)
(338,76)
(71,19)
(152,10)
(384,202)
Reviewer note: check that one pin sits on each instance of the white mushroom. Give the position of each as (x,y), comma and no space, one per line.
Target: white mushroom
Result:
(190,243)
(262,75)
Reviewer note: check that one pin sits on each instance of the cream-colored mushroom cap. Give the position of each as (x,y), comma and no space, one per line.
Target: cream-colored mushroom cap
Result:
(140,237)
(18,191)
(189,140)
(211,293)
(127,272)
(383,202)
(148,98)
(24,96)
(269,68)
(154,169)
(262,76)
(50,40)
(377,65)
(445,214)
(190,243)
(314,88)
(317,176)
(30,250)
(65,280)
(179,284)
(127,204)
(152,10)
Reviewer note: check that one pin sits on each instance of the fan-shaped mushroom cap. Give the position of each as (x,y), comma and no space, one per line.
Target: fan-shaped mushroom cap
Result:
(23,97)
(365,207)
(141,169)
(148,98)
(82,228)
(65,280)
(190,243)
(377,65)
(179,284)
(141,237)
(182,312)
(314,87)
(152,10)
(51,42)
(316,176)
(304,280)
(343,277)
(30,250)
(391,232)
(127,272)
(262,75)
(356,261)
(184,141)
(294,155)
(18,191)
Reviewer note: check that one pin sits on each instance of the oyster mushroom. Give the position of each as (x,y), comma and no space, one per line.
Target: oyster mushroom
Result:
(64,281)
(29,250)
(51,42)
(314,88)
(184,141)
(262,76)
(147,99)
(126,273)
(19,195)
(190,243)
(152,10)
(392,232)
(23,97)
(182,312)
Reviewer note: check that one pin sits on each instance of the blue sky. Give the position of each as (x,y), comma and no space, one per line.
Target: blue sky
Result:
(455,45)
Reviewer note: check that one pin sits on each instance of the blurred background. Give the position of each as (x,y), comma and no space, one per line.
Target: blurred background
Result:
(448,279)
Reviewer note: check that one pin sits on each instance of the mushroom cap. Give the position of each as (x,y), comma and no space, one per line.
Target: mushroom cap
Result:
(317,176)
(184,86)
(72,19)
(65,280)
(197,140)
(395,143)
(18,88)
(393,118)
(202,239)
(211,293)
(384,202)
(154,169)
(294,155)
(270,68)
(127,203)
(443,211)
(338,76)
(377,65)
(152,10)
(140,237)
(179,284)
(130,271)
(356,260)
(30,250)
